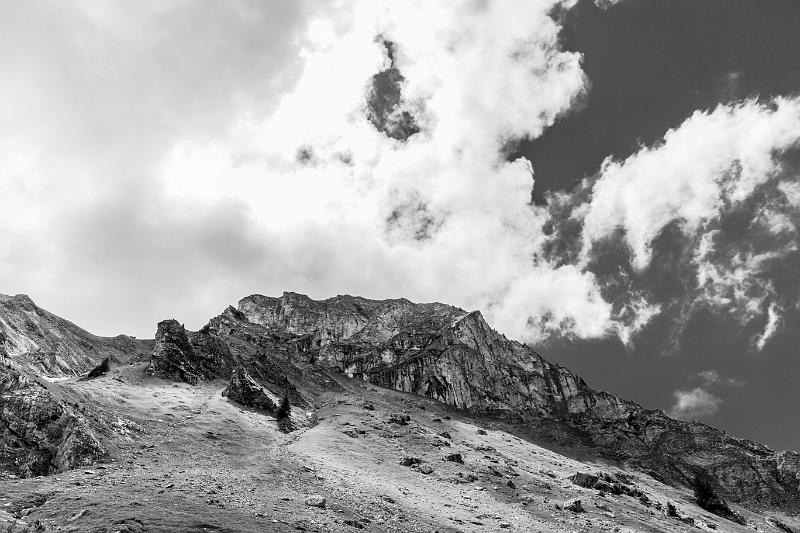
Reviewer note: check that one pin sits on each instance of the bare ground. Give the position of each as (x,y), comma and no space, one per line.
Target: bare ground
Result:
(189,460)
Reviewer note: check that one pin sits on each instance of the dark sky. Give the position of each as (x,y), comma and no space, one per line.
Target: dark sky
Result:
(651,64)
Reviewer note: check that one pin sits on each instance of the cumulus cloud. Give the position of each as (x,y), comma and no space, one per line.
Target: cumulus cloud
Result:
(693,404)
(714,159)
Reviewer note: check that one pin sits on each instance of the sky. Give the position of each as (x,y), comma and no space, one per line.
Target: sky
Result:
(613,182)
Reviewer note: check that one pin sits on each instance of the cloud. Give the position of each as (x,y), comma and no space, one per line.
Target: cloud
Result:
(714,159)
(686,198)
(712,377)
(770,328)
(693,404)
(96,96)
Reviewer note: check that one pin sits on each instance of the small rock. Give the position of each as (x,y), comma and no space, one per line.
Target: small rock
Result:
(368,405)
(774,522)
(315,500)
(426,469)
(399,419)
(504,525)
(76,515)
(574,505)
(445,434)
(410,461)
(481,432)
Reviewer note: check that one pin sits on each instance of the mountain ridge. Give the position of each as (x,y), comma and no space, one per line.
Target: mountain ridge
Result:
(292,349)
(453,356)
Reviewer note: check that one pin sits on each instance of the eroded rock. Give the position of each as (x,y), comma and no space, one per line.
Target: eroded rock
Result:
(244,390)
(39,434)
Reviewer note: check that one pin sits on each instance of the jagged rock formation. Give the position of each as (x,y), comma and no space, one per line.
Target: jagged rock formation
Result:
(99,370)
(189,357)
(50,346)
(243,390)
(40,434)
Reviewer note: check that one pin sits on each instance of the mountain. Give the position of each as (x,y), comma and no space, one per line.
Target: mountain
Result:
(53,347)
(286,379)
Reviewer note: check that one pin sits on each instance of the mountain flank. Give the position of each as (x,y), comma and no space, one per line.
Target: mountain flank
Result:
(344,387)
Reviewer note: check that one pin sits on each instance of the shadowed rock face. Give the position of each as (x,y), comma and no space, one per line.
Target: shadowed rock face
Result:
(187,356)
(244,390)
(40,434)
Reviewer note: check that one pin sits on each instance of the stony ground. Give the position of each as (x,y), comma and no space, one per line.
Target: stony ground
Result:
(190,460)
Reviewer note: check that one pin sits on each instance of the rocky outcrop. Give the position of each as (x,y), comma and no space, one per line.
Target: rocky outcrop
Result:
(40,434)
(179,358)
(100,370)
(244,390)
(48,345)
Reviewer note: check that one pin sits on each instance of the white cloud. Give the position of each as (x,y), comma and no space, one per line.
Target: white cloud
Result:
(703,170)
(693,404)
(770,328)
(712,377)
(710,161)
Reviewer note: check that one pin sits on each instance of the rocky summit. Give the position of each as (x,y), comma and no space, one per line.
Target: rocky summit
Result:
(287,413)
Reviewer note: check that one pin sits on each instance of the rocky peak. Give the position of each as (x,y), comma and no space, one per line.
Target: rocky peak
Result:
(188,356)
(345,318)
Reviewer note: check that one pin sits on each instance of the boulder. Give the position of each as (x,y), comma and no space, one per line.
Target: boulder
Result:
(315,500)
(574,505)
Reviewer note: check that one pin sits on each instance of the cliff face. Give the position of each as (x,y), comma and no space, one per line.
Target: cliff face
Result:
(48,345)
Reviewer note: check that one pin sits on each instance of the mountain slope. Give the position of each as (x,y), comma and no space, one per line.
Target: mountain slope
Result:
(446,354)
(53,347)
(459,427)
